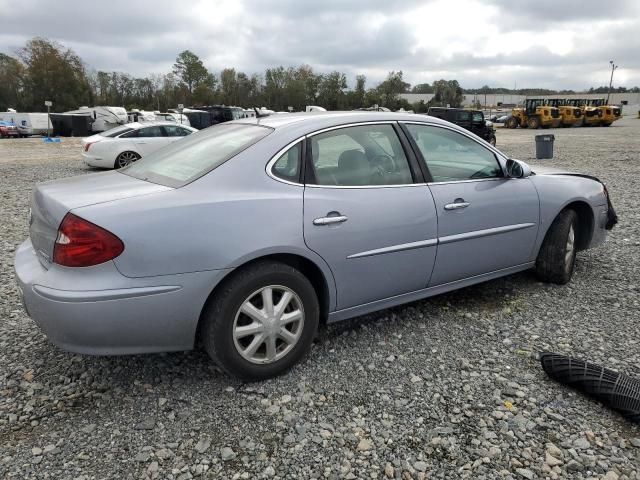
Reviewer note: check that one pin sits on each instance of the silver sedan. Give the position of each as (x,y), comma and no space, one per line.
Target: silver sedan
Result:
(244,237)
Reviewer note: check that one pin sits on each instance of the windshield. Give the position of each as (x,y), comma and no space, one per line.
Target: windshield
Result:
(189,159)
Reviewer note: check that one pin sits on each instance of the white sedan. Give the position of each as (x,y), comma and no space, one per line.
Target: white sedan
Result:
(125,144)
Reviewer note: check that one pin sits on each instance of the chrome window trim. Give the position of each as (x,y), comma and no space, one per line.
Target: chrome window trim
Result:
(490,179)
(349,125)
(275,158)
(465,133)
(360,187)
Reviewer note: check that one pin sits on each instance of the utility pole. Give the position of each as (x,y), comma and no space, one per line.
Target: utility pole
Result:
(613,69)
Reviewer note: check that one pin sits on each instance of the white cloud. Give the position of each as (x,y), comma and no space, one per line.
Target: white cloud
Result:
(547,43)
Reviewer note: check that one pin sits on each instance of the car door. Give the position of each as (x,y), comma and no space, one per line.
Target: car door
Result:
(486,222)
(368,213)
(150,139)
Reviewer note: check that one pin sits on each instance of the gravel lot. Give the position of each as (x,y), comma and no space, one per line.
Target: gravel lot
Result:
(444,388)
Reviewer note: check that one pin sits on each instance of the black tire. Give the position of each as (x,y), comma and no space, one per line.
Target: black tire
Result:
(557,256)
(533,122)
(125,158)
(219,316)
(512,122)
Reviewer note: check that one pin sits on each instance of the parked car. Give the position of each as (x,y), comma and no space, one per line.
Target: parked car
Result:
(8,130)
(472,120)
(120,146)
(247,235)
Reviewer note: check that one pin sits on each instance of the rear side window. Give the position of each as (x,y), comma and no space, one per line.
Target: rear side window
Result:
(189,159)
(287,166)
(114,132)
(155,131)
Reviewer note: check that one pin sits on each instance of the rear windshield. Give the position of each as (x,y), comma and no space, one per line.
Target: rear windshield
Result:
(186,160)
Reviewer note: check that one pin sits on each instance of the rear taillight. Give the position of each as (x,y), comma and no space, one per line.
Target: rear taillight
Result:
(82,244)
(87,145)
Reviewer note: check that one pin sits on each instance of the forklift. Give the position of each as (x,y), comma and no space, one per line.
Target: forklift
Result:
(569,114)
(534,114)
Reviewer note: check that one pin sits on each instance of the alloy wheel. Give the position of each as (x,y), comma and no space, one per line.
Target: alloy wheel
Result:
(268,324)
(569,250)
(126,158)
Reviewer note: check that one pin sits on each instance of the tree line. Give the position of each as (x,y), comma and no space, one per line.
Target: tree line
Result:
(46,70)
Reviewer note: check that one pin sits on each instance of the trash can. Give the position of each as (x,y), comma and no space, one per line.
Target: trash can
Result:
(544,146)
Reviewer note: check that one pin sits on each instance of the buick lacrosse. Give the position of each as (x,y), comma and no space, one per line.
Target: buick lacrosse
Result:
(244,237)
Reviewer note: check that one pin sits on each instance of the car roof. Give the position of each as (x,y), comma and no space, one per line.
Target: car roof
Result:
(136,125)
(318,120)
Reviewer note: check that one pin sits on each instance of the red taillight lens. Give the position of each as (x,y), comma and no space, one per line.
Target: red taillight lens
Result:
(82,244)
(87,145)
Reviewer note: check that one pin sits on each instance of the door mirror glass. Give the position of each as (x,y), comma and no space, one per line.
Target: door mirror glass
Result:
(517,169)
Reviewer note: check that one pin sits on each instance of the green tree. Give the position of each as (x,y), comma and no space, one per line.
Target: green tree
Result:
(422,88)
(331,93)
(447,92)
(53,73)
(391,88)
(190,70)
(11,78)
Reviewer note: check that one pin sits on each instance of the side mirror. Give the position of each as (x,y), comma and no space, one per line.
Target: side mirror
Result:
(517,169)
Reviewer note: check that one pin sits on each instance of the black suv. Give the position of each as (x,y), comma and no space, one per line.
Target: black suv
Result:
(472,120)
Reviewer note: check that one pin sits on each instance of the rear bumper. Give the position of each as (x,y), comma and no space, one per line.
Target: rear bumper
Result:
(96,161)
(98,311)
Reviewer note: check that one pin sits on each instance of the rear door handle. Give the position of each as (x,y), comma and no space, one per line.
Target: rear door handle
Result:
(330,220)
(457,205)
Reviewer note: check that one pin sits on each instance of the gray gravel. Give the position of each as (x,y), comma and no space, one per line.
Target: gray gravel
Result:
(444,388)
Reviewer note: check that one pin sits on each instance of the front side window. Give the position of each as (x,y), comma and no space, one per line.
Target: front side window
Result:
(464,116)
(478,117)
(367,155)
(287,166)
(189,159)
(451,156)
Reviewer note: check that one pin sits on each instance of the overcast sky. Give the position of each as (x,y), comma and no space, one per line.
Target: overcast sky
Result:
(543,43)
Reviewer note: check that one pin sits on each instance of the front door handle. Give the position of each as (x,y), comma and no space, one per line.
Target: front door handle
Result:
(457,204)
(330,220)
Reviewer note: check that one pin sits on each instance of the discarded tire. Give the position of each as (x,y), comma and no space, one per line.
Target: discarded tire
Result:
(616,390)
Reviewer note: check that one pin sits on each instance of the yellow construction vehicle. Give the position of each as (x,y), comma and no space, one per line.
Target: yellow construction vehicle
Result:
(534,114)
(595,112)
(569,115)
(607,113)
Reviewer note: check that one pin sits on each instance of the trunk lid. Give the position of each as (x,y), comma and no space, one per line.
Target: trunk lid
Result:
(50,202)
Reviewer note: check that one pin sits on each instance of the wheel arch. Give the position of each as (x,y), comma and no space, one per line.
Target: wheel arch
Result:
(586,222)
(316,272)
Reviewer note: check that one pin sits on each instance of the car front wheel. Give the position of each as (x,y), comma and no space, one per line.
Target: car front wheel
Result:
(261,322)
(557,256)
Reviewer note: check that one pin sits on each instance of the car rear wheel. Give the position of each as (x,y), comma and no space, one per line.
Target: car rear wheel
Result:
(126,158)
(261,322)
(557,256)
